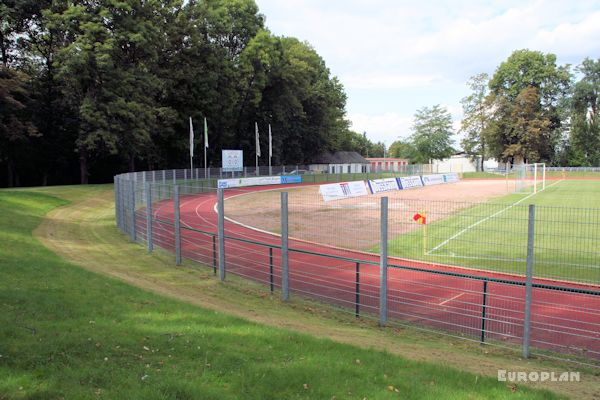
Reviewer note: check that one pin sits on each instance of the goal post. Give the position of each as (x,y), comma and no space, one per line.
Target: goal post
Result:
(530,178)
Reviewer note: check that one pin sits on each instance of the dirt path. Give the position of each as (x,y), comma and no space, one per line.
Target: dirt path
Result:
(84,233)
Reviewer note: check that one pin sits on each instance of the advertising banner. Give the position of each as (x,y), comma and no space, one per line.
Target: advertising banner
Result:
(343,190)
(291,179)
(383,185)
(451,177)
(407,182)
(256,181)
(435,179)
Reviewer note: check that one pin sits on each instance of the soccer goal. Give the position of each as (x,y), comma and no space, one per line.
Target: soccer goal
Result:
(530,178)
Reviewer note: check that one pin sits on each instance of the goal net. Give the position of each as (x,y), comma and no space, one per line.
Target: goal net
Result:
(530,178)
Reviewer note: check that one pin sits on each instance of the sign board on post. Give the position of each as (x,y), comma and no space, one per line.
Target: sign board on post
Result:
(233,160)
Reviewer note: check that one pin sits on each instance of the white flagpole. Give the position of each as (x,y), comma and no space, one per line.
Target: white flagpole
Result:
(270,149)
(257,146)
(191,149)
(205,147)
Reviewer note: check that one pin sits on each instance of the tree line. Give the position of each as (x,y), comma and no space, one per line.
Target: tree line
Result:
(91,88)
(530,110)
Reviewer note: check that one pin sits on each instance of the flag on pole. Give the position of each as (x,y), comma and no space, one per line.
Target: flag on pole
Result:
(191,138)
(420,218)
(205,134)
(270,142)
(257,140)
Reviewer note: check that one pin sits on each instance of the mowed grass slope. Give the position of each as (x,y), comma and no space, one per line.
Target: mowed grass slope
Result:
(69,333)
(494,235)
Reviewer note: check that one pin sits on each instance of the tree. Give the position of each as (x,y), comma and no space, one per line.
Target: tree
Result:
(584,139)
(476,118)
(15,126)
(403,149)
(538,74)
(432,132)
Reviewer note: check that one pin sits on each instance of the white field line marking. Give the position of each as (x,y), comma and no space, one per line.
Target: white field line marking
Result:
(233,221)
(450,299)
(445,242)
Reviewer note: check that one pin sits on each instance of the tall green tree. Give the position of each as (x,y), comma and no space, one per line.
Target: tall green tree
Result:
(538,75)
(584,140)
(403,149)
(476,118)
(15,125)
(432,134)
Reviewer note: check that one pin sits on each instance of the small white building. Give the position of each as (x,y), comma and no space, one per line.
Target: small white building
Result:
(340,162)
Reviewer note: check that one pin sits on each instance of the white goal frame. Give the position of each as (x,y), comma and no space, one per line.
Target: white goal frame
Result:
(530,176)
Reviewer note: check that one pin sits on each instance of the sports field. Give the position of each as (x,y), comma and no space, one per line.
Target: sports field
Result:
(477,224)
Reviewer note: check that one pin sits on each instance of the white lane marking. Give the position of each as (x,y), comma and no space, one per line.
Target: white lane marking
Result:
(450,299)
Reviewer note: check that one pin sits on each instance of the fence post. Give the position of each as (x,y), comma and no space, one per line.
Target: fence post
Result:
(117,202)
(284,247)
(174,177)
(484,310)
(221,211)
(149,244)
(529,280)
(383,275)
(357,291)
(214,239)
(177,221)
(271,269)
(132,198)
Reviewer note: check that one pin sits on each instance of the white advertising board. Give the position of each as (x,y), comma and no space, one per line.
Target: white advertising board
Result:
(233,160)
(343,190)
(407,182)
(256,181)
(451,177)
(435,179)
(383,185)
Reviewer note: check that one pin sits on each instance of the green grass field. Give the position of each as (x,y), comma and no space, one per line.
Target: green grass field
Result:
(67,333)
(494,235)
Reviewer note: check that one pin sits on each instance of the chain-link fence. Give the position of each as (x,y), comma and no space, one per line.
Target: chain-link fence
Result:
(501,272)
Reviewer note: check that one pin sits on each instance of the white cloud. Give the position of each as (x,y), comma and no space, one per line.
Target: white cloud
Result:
(570,38)
(377,80)
(387,127)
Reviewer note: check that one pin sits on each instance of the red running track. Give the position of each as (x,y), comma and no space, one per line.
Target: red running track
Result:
(562,321)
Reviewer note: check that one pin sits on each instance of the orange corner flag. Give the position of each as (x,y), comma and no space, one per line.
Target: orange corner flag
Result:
(420,218)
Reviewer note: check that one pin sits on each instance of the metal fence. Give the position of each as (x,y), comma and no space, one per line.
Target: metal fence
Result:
(506,274)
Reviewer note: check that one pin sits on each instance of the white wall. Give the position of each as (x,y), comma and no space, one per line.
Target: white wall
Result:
(454,164)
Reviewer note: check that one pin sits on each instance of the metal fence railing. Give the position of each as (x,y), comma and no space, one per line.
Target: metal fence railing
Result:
(506,273)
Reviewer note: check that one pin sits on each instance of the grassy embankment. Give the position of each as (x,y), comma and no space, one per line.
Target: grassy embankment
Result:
(66,332)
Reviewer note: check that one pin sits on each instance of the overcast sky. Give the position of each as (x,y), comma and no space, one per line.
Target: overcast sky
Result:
(394,57)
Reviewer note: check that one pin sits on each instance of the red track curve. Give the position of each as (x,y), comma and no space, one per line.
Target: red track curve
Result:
(561,321)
